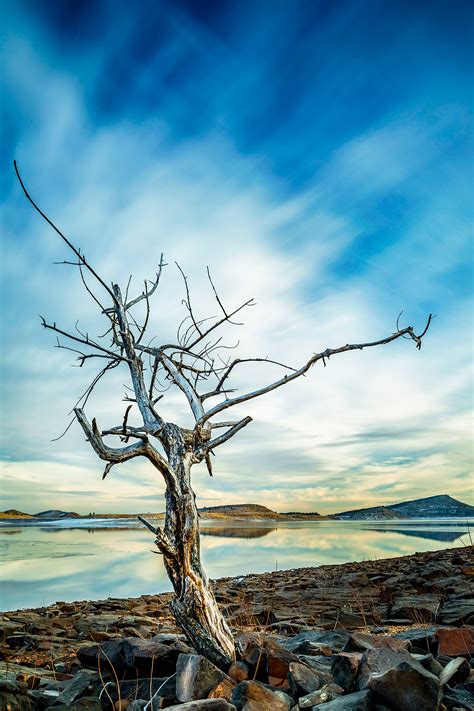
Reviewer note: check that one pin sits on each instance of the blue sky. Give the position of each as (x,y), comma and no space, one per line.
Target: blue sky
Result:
(317,156)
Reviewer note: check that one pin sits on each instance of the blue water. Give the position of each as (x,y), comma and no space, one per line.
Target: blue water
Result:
(72,560)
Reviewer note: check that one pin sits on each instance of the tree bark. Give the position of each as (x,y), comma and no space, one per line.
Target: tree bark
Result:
(194,605)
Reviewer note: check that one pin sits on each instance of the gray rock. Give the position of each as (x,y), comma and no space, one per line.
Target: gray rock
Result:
(455,672)
(458,698)
(429,663)
(457,612)
(311,641)
(328,692)
(196,676)
(344,669)
(75,687)
(253,696)
(407,686)
(360,701)
(378,661)
(419,608)
(137,705)
(303,680)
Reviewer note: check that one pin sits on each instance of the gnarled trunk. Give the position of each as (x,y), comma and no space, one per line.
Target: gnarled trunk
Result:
(194,605)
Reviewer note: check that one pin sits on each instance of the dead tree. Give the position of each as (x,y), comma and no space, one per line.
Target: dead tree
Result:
(194,363)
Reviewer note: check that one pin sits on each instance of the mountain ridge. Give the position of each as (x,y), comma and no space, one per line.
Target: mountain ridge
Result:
(438,506)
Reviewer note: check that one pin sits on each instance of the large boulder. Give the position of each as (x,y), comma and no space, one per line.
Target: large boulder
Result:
(129,655)
(407,686)
(196,676)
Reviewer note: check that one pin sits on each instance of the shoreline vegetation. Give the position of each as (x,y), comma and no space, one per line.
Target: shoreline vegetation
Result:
(440,506)
(362,632)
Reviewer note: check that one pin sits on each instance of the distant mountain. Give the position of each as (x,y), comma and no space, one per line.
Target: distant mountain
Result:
(441,506)
(13,513)
(55,515)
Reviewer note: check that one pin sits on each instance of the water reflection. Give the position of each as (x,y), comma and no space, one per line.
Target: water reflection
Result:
(39,568)
(236,531)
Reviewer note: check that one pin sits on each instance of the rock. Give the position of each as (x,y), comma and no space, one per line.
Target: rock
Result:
(418,608)
(196,676)
(268,659)
(75,687)
(344,669)
(458,698)
(253,696)
(90,703)
(454,642)
(130,654)
(205,705)
(328,692)
(239,671)
(116,654)
(423,639)
(302,679)
(457,612)
(156,658)
(137,705)
(362,642)
(223,690)
(378,661)
(455,672)
(360,701)
(143,688)
(311,641)
(407,686)
(429,663)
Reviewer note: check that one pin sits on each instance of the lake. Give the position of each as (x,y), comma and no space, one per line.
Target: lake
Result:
(73,560)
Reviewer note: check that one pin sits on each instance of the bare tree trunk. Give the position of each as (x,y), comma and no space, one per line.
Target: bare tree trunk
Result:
(194,605)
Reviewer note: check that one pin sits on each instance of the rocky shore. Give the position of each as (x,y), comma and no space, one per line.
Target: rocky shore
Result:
(386,634)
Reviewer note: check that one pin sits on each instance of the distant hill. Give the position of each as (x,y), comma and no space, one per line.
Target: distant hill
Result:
(13,513)
(441,506)
(251,511)
(55,514)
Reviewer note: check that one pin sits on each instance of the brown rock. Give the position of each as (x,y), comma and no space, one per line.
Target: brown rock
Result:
(223,690)
(253,696)
(456,641)
(239,671)
(361,641)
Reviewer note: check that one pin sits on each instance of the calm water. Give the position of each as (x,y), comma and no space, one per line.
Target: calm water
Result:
(43,564)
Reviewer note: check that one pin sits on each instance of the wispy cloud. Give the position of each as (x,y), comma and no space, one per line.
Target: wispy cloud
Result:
(303,180)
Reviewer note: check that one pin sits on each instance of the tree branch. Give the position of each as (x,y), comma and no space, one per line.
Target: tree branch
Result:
(81,258)
(408,331)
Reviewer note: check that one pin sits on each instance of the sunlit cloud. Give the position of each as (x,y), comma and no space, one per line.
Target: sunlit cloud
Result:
(334,221)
